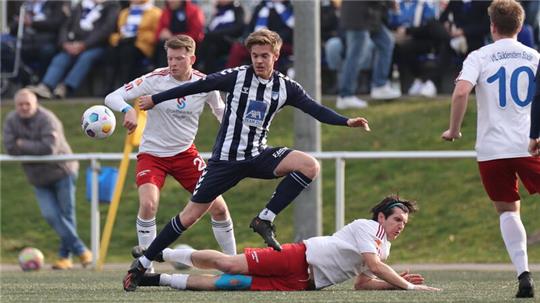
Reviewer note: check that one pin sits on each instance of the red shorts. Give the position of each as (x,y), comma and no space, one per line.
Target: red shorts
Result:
(274,270)
(500,177)
(186,167)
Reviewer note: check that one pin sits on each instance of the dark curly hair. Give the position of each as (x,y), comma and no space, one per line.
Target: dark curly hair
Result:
(387,205)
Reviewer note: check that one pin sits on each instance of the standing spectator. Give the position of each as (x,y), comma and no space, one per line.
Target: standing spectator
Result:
(178,17)
(467,23)
(275,15)
(418,35)
(225,27)
(501,71)
(362,20)
(42,21)
(132,43)
(83,38)
(33,130)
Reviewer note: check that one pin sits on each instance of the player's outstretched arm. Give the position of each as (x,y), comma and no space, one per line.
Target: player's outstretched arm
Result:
(359,122)
(388,275)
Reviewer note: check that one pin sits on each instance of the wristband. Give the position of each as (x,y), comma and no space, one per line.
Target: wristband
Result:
(410,286)
(126,109)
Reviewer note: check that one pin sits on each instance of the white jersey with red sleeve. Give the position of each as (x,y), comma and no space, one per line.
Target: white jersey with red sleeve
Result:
(337,258)
(171,126)
(504,75)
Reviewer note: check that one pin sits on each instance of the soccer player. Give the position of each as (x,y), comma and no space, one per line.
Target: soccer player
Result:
(255,94)
(167,143)
(358,251)
(503,73)
(534,135)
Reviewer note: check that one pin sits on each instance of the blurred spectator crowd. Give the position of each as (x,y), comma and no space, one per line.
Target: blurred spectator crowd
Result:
(378,48)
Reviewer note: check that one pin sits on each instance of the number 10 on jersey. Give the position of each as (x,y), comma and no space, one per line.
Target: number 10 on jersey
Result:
(501,76)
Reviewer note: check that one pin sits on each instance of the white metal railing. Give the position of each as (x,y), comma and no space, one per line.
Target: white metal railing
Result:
(339,156)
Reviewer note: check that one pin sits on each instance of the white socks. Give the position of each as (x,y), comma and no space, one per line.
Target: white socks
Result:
(177,281)
(267,215)
(182,255)
(515,239)
(224,234)
(146,231)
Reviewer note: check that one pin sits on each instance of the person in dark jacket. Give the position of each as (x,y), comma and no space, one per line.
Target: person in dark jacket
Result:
(33,130)
(83,38)
(42,22)
(226,26)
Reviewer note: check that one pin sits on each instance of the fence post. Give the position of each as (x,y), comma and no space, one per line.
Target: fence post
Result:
(94,212)
(340,193)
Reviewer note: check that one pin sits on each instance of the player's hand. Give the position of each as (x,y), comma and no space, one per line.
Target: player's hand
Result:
(534,147)
(145,102)
(450,136)
(130,120)
(426,288)
(359,122)
(413,278)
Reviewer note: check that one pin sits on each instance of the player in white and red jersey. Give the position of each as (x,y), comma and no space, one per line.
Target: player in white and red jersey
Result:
(167,142)
(358,251)
(503,73)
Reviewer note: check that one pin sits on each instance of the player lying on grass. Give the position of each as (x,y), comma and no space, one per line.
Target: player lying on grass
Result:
(357,250)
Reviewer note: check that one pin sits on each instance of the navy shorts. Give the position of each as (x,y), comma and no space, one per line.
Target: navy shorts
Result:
(220,176)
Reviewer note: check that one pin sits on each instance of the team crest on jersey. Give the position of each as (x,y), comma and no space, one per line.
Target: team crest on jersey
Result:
(138,81)
(275,95)
(255,113)
(245,90)
(181,103)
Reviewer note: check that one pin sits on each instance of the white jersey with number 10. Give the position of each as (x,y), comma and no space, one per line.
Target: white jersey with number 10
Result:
(504,75)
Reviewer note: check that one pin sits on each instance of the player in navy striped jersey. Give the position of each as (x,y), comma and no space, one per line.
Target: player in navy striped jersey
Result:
(255,94)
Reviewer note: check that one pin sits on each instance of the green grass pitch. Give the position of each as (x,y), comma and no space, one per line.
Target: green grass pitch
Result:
(106,286)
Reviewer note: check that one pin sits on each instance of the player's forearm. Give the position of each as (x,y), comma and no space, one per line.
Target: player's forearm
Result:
(387,274)
(459,107)
(116,101)
(535,117)
(374,284)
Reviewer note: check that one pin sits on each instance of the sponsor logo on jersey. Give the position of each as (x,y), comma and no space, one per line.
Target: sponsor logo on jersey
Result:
(245,90)
(181,103)
(256,110)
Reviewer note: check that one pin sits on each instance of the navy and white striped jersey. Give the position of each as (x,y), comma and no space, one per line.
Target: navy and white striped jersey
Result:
(251,104)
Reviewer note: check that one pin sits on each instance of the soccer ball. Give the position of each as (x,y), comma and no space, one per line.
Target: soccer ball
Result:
(31,259)
(178,265)
(98,122)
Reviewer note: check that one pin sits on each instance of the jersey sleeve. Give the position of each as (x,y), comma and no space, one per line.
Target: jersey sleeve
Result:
(221,81)
(471,68)
(118,99)
(365,235)
(297,97)
(215,102)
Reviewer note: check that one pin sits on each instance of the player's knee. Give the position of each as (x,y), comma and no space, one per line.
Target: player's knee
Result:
(148,207)
(311,168)
(219,210)
(226,265)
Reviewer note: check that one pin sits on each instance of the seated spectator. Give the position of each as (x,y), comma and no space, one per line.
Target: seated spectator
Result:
(132,43)
(275,15)
(418,36)
(42,21)
(83,38)
(178,17)
(225,27)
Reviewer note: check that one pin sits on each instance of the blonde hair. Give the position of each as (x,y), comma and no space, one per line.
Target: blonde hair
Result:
(264,37)
(507,16)
(181,41)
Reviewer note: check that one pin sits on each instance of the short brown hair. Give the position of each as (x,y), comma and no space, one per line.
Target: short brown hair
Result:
(388,204)
(507,16)
(264,37)
(181,41)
